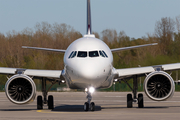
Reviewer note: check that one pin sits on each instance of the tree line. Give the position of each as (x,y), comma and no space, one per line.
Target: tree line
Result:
(60,36)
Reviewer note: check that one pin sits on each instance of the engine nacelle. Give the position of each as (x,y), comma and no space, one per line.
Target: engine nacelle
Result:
(20,89)
(159,86)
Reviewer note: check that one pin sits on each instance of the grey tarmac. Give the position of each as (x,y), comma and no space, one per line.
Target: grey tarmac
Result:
(109,106)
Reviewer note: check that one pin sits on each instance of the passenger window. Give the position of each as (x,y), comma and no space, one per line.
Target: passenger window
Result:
(101,54)
(82,54)
(105,54)
(74,54)
(93,54)
(70,54)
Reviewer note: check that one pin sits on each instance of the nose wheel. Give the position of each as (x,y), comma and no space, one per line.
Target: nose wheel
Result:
(89,106)
(92,106)
(86,106)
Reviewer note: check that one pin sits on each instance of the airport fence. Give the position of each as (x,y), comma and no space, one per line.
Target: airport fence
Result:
(117,87)
(2,87)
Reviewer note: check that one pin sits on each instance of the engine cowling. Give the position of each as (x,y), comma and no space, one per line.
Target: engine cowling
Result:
(159,86)
(20,89)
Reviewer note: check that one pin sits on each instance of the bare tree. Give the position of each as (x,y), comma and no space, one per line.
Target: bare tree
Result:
(164,30)
(178,23)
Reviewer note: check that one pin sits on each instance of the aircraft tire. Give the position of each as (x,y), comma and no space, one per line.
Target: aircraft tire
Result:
(39,102)
(86,106)
(129,101)
(140,100)
(92,107)
(50,102)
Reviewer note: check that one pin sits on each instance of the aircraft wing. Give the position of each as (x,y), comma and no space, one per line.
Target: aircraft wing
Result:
(46,49)
(131,47)
(53,74)
(141,71)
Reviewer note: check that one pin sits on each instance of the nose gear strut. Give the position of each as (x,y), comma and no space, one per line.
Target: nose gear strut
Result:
(89,105)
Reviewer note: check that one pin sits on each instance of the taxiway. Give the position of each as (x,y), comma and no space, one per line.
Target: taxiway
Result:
(109,105)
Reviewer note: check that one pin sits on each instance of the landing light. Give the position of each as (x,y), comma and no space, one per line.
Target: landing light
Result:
(91,89)
(86,89)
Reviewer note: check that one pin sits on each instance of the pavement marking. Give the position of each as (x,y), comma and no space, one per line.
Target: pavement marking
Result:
(47,111)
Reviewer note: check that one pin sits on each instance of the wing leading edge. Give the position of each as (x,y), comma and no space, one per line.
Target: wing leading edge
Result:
(128,72)
(54,74)
(46,49)
(132,47)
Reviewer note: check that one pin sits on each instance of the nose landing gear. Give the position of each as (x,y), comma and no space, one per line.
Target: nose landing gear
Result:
(89,105)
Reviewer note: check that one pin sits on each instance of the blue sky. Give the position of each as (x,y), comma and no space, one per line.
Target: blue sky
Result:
(135,17)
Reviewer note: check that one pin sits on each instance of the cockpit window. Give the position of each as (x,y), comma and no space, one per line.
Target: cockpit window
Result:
(93,54)
(105,54)
(71,54)
(82,54)
(101,54)
(74,54)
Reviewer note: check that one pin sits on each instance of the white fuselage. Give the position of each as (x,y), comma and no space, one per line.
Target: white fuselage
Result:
(88,63)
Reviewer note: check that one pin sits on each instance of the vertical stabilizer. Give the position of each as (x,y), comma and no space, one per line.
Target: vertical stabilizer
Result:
(88,17)
(89,32)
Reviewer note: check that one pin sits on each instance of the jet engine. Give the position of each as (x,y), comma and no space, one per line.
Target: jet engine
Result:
(159,86)
(20,89)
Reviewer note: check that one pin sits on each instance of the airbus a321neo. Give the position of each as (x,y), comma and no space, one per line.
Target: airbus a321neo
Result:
(88,65)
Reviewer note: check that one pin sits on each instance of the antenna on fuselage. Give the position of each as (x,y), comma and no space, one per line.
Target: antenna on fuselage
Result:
(88,17)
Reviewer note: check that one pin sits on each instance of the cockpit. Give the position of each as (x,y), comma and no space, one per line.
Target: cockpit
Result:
(84,54)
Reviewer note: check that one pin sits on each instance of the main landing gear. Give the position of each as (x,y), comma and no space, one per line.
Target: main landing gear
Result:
(49,101)
(89,105)
(139,100)
(130,98)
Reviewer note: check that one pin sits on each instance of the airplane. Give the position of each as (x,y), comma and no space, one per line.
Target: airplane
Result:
(88,65)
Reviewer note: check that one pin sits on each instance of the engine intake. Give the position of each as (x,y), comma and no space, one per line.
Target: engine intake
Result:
(159,86)
(20,89)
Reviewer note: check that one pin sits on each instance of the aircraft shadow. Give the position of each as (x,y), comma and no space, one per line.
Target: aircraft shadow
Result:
(80,108)
(73,108)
